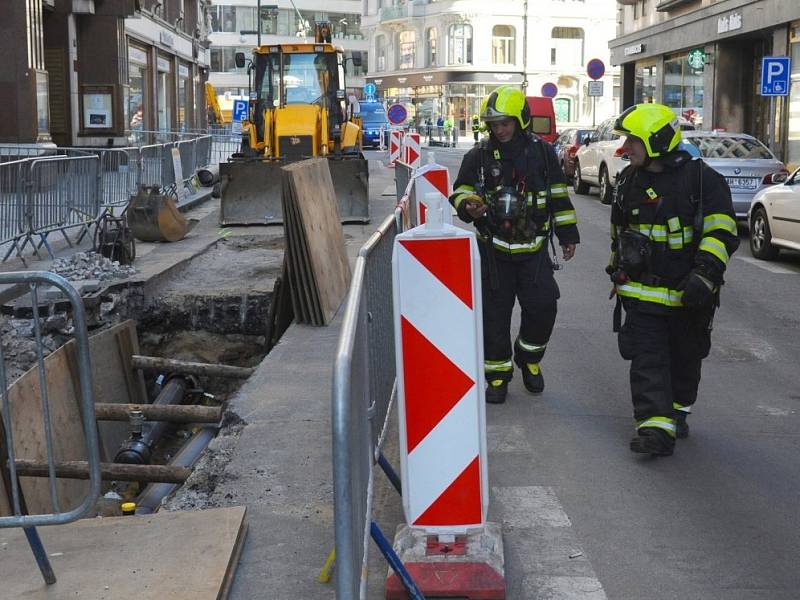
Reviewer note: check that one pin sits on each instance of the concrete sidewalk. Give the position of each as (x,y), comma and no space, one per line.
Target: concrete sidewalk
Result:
(277,461)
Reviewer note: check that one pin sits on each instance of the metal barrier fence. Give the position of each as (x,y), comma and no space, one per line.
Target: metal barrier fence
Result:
(10,426)
(363,392)
(77,186)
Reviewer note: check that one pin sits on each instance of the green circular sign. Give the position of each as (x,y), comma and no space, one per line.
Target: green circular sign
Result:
(697,58)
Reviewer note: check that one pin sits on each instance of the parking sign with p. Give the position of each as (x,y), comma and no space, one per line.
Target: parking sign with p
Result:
(775,73)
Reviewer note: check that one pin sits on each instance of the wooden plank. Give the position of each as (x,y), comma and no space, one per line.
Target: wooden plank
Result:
(27,426)
(301,299)
(319,220)
(310,291)
(174,413)
(79,469)
(115,380)
(147,557)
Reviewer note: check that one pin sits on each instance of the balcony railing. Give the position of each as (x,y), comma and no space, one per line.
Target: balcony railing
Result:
(392,13)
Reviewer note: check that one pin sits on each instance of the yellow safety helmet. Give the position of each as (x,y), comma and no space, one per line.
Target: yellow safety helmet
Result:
(655,124)
(506,102)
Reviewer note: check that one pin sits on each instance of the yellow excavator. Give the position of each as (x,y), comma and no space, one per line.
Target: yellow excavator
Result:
(298,109)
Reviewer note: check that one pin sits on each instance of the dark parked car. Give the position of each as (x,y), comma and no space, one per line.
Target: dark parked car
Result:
(567,145)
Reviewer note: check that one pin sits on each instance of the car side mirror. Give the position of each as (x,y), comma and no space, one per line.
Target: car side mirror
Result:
(780,177)
(239,59)
(588,140)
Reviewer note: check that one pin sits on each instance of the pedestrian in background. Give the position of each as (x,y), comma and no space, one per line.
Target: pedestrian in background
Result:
(511,187)
(476,128)
(439,127)
(673,231)
(448,129)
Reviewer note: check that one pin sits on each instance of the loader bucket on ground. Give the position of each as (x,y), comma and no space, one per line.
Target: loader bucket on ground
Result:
(251,191)
(153,217)
(350,178)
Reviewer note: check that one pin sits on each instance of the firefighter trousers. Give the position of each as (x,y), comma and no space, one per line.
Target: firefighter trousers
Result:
(666,349)
(530,281)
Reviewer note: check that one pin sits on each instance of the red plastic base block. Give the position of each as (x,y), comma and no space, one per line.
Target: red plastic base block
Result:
(476,581)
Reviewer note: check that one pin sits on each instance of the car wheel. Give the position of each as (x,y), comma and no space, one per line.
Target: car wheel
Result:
(578,184)
(760,237)
(606,189)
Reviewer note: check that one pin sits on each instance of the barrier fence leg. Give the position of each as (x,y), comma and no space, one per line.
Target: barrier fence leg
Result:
(394,561)
(40,555)
(390,473)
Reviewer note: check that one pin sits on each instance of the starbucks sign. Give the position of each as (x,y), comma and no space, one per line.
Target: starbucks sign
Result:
(697,58)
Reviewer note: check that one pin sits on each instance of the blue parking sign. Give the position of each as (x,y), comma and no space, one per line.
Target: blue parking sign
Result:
(240,110)
(775,73)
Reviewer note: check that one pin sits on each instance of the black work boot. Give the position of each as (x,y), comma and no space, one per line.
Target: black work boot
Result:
(496,391)
(532,378)
(652,440)
(681,426)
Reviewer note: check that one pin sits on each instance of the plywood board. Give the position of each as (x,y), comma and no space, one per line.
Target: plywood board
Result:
(28,431)
(164,556)
(321,232)
(115,380)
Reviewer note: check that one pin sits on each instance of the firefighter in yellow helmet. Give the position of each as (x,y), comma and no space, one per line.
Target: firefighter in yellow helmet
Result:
(476,128)
(673,232)
(511,187)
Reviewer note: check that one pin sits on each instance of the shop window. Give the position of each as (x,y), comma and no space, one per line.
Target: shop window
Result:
(380,53)
(503,43)
(139,74)
(568,42)
(644,88)
(460,44)
(683,88)
(165,94)
(408,49)
(430,58)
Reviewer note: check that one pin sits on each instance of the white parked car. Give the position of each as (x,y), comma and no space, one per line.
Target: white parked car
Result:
(599,161)
(774,218)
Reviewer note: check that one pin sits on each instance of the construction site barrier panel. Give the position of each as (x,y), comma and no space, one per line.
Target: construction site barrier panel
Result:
(12,199)
(33,282)
(363,392)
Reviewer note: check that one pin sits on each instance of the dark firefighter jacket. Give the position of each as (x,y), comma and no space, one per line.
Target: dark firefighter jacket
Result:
(687,214)
(530,165)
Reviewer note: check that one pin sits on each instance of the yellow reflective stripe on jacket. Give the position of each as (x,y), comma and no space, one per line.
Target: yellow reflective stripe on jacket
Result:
(559,190)
(681,407)
(713,246)
(497,366)
(646,293)
(664,423)
(565,217)
(660,233)
(719,221)
(460,193)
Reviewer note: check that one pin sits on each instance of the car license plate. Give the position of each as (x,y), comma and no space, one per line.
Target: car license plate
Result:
(742,183)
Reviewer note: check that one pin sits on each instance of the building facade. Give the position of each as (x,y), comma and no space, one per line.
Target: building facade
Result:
(234,28)
(86,72)
(443,57)
(703,58)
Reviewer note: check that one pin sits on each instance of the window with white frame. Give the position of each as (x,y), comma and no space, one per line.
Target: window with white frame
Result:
(460,44)
(380,53)
(433,41)
(503,38)
(408,49)
(568,43)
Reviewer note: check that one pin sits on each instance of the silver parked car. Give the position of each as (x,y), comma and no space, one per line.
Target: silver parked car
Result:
(747,164)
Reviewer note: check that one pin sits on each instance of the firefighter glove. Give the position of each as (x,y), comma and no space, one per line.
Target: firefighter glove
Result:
(698,291)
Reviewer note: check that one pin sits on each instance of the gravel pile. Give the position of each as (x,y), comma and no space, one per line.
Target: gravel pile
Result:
(90,265)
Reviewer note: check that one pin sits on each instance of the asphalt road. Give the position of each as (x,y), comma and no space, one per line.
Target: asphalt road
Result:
(585,518)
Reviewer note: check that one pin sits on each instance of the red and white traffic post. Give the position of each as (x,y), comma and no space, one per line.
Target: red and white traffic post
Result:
(447,546)
(395,145)
(430,179)
(412,150)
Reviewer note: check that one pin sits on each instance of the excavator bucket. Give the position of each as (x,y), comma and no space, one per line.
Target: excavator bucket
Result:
(251,190)
(153,217)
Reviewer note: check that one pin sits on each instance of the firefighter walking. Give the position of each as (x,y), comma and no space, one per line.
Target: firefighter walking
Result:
(511,187)
(476,128)
(673,231)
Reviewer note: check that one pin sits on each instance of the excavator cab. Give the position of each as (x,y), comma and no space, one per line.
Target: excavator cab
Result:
(298,110)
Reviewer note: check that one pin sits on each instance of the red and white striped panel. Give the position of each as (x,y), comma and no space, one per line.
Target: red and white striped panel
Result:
(395,145)
(439,350)
(412,150)
(431,178)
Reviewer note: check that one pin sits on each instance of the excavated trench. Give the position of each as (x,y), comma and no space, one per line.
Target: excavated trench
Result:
(213,309)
